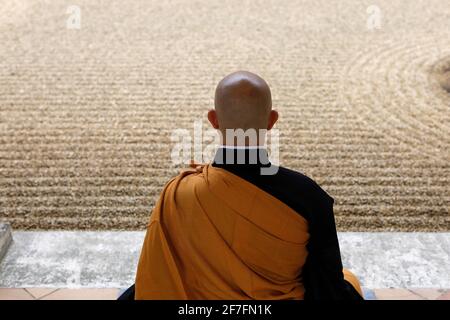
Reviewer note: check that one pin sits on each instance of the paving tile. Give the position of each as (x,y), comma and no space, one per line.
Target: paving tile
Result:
(396,294)
(40,292)
(15,294)
(83,294)
(429,294)
(445,296)
(112,294)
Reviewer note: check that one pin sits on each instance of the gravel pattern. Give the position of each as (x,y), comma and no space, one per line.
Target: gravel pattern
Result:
(86,114)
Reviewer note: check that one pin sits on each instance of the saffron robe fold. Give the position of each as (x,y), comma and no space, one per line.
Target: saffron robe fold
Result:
(214,235)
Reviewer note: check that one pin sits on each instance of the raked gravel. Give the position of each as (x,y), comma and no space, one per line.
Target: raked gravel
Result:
(86,115)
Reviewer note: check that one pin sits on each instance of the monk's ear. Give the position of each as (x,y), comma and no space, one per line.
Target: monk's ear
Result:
(212,117)
(273,117)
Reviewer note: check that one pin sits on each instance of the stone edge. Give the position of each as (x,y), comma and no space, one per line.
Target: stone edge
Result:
(5,238)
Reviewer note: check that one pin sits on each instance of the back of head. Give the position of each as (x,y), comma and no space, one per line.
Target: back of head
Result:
(243,101)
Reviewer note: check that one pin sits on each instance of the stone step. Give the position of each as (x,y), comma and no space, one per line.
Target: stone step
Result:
(5,238)
(108,259)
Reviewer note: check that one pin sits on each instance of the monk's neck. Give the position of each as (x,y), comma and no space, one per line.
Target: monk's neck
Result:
(241,156)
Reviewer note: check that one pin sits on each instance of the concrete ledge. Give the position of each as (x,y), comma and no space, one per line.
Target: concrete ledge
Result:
(84,259)
(5,238)
(398,259)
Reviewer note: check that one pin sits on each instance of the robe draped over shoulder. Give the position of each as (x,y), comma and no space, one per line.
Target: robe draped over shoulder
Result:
(214,235)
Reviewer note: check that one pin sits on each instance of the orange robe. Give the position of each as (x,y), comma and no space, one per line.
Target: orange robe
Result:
(213,235)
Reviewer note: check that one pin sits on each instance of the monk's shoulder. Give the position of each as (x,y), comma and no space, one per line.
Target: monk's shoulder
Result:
(303,184)
(188,179)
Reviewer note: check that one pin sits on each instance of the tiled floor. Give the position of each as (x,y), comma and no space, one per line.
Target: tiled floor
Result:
(111,294)
(412,294)
(58,294)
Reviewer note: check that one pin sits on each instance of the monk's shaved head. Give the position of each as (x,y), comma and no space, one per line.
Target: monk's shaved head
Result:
(243,100)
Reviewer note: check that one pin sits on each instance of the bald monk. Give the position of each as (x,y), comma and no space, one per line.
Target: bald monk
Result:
(227,230)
